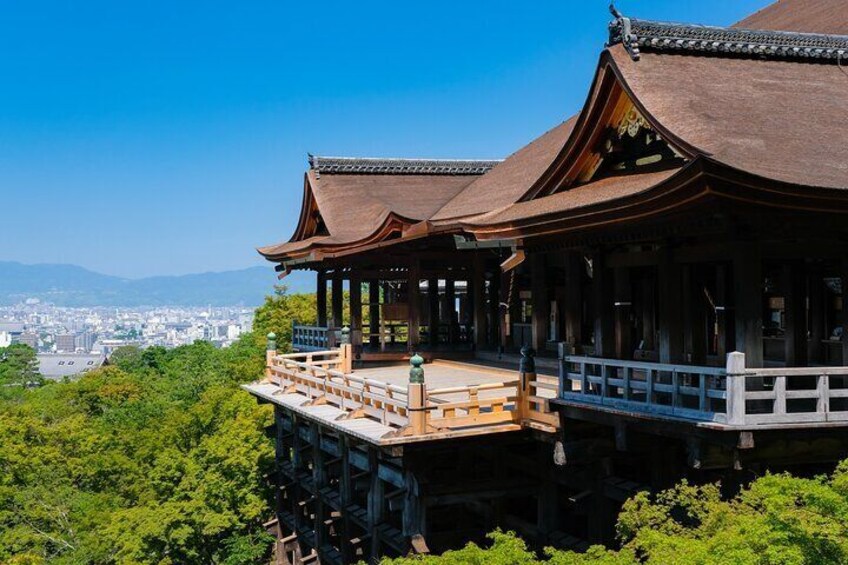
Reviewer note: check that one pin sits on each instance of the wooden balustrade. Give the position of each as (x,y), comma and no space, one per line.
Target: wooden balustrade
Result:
(324,377)
(314,338)
(732,395)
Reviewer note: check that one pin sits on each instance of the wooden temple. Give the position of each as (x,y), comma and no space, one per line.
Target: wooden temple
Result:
(650,291)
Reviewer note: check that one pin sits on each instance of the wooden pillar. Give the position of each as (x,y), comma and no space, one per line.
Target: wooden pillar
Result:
(817,322)
(478,297)
(321,299)
(345,498)
(602,292)
(374,311)
(541,302)
(433,307)
(494,336)
(726,338)
(695,316)
(355,310)
(450,310)
(844,275)
(319,479)
(414,297)
(337,302)
(748,295)
(623,303)
(670,310)
(573,299)
(376,504)
(795,304)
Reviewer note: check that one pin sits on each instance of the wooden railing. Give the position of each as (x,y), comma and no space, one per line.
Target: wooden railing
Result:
(325,377)
(732,395)
(314,338)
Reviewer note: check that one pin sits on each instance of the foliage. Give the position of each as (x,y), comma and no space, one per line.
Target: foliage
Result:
(19,366)
(777,520)
(158,458)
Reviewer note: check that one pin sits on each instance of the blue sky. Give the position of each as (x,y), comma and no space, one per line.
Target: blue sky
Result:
(147,138)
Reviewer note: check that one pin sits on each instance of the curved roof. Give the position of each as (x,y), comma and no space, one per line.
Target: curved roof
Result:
(813,16)
(358,200)
(508,181)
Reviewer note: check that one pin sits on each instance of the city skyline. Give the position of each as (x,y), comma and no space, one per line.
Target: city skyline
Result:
(177,141)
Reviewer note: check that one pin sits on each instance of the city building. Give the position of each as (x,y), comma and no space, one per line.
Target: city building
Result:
(670,262)
(66,343)
(57,366)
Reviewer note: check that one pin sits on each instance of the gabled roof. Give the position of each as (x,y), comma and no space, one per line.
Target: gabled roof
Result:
(361,201)
(508,180)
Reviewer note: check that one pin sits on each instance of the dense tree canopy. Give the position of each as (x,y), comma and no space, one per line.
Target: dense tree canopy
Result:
(160,459)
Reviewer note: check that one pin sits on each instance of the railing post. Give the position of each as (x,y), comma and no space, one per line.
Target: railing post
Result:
(527,374)
(270,353)
(417,396)
(346,351)
(736,388)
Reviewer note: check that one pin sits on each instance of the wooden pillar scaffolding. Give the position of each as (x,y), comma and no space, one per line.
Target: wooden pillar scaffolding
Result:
(541,301)
(477,288)
(602,291)
(414,299)
(337,302)
(355,310)
(573,300)
(374,312)
(795,304)
(433,309)
(748,290)
(321,299)
(670,312)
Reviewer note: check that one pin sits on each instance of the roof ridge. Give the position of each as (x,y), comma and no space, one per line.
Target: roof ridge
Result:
(636,34)
(399,165)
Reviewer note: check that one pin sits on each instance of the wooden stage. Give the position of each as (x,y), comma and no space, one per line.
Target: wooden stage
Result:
(463,399)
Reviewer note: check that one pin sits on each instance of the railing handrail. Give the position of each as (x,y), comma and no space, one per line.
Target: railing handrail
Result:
(795,371)
(646,365)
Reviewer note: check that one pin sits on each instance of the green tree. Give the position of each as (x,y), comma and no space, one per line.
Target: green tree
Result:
(19,365)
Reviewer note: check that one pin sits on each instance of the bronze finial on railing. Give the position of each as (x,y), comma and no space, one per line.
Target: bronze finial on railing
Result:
(417,396)
(416,372)
(270,353)
(345,335)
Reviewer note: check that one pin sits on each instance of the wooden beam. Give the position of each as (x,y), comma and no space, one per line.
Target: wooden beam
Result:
(670,310)
(433,308)
(321,298)
(478,297)
(414,297)
(337,299)
(374,311)
(573,306)
(355,310)
(748,299)
(541,302)
(795,304)
(450,310)
(602,292)
(623,303)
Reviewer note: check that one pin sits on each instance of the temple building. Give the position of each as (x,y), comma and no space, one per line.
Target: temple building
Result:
(650,291)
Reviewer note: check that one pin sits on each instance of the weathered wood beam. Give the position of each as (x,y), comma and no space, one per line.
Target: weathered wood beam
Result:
(414,294)
(602,292)
(793,281)
(337,302)
(321,298)
(748,290)
(670,310)
(477,289)
(573,299)
(541,301)
(355,310)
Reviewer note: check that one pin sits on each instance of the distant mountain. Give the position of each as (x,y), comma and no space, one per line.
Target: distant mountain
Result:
(69,285)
